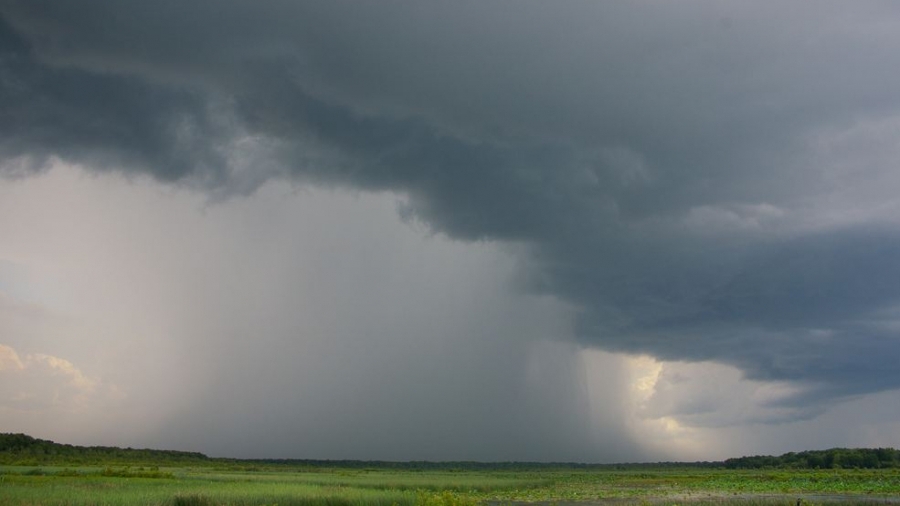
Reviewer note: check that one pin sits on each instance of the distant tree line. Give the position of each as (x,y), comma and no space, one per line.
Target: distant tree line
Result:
(21,449)
(835,458)
(25,450)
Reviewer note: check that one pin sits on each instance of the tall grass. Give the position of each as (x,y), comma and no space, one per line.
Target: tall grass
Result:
(104,491)
(284,486)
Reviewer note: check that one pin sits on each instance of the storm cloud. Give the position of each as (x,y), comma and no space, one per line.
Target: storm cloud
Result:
(701,181)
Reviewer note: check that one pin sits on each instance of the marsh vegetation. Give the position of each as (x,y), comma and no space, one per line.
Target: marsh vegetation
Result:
(41,473)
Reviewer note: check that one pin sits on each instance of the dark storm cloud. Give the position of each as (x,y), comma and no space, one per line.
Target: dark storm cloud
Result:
(663,162)
(104,120)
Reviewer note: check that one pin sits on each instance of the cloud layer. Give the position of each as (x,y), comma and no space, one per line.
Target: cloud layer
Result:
(703,182)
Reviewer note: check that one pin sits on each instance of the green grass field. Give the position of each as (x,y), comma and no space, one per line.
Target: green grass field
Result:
(286,485)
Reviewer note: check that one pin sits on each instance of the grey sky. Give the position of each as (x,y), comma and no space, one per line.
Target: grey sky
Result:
(712,184)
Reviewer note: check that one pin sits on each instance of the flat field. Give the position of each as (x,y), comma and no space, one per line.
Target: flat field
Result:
(285,485)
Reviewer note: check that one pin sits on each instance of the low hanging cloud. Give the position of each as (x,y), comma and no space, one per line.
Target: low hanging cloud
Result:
(710,395)
(703,182)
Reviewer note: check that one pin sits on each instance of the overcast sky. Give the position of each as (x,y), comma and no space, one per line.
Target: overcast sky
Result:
(472,230)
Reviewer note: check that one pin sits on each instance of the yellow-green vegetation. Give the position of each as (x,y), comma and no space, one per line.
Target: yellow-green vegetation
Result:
(35,472)
(285,484)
